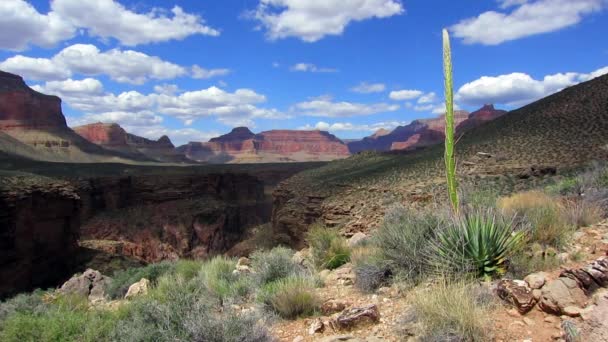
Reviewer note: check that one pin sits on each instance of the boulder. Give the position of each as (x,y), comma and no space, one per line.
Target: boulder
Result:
(535,280)
(561,293)
(356,316)
(591,277)
(518,293)
(356,239)
(595,327)
(138,289)
(316,326)
(332,306)
(91,284)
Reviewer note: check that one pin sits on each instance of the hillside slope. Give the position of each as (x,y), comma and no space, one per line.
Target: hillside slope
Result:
(561,131)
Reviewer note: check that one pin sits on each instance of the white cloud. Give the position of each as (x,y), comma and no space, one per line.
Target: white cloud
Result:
(518,89)
(368,88)
(124,119)
(35,68)
(179,136)
(424,108)
(22,25)
(428,98)
(326,107)
(167,89)
(529,18)
(404,95)
(308,67)
(201,73)
(125,66)
(350,127)
(311,20)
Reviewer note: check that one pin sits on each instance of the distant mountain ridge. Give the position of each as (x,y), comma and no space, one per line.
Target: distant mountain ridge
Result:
(241,146)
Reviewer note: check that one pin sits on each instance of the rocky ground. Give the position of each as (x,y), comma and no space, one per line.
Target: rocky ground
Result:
(584,309)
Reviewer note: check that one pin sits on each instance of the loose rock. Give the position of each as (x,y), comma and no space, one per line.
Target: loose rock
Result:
(138,289)
(561,293)
(517,293)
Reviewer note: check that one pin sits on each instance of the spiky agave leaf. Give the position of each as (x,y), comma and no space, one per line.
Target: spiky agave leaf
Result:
(479,242)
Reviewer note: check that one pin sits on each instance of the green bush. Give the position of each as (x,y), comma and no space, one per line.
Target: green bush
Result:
(25,303)
(452,312)
(328,249)
(403,239)
(371,273)
(291,297)
(479,242)
(123,279)
(273,265)
(219,278)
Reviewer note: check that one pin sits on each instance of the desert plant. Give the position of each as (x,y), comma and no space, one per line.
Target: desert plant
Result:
(451,312)
(219,278)
(328,248)
(480,241)
(450,158)
(371,272)
(545,214)
(273,265)
(582,213)
(121,280)
(403,239)
(291,297)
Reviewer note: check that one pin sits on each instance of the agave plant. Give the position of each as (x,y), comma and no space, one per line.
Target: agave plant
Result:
(479,241)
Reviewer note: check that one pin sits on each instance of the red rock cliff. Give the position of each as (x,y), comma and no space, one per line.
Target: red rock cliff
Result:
(22,107)
(241,145)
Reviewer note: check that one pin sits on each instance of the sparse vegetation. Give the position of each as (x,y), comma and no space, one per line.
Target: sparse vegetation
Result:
(290,297)
(220,281)
(452,311)
(328,248)
(273,265)
(121,280)
(548,224)
(480,242)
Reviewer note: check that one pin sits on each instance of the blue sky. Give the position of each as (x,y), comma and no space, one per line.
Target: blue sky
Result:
(194,69)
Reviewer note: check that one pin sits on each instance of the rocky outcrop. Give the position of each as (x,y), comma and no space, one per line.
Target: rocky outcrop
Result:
(22,107)
(38,127)
(113,137)
(39,228)
(479,117)
(91,284)
(241,146)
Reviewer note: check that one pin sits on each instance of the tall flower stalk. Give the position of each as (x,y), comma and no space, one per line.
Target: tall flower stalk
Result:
(450,158)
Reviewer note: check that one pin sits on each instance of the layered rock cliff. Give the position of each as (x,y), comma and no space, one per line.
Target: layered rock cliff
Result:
(241,146)
(36,121)
(113,137)
(39,229)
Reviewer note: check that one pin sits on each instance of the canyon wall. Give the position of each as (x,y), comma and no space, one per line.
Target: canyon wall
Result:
(39,229)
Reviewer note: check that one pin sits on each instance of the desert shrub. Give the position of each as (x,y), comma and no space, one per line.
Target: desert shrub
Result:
(452,312)
(403,239)
(534,258)
(290,298)
(273,265)
(25,303)
(479,241)
(371,272)
(186,268)
(68,318)
(328,249)
(219,278)
(548,224)
(186,312)
(582,213)
(473,196)
(121,280)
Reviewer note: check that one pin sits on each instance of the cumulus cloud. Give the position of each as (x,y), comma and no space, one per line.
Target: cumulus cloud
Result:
(22,25)
(350,127)
(368,88)
(326,107)
(527,19)
(404,95)
(518,88)
(311,20)
(428,98)
(201,73)
(125,66)
(309,67)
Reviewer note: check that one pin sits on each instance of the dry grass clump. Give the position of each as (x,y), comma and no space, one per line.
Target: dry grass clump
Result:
(452,311)
(548,223)
(290,297)
(328,248)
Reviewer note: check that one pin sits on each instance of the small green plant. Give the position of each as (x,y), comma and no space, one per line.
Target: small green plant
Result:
(328,249)
(450,158)
(452,312)
(480,241)
(273,265)
(221,281)
(403,239)
(291,297)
